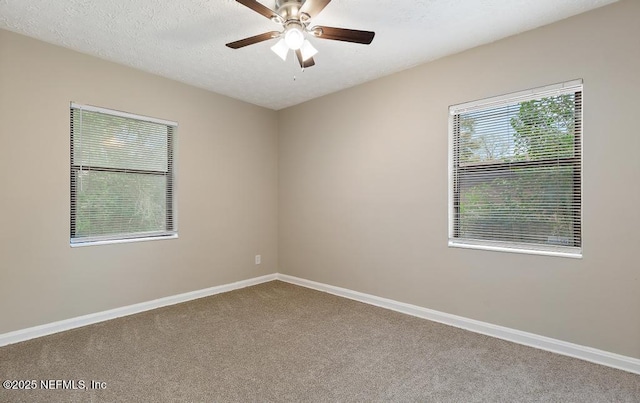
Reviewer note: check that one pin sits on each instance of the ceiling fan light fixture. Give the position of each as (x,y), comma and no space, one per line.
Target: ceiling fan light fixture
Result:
(294,37)
(295,17)
(307,50)
(281,49)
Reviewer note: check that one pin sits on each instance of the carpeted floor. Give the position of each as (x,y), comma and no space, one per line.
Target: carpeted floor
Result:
(280,342)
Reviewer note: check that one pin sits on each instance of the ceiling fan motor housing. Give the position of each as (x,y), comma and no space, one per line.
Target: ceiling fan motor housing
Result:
(290,9)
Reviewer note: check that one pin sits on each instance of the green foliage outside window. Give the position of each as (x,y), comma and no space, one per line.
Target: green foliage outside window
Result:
(121,174)
(517,174)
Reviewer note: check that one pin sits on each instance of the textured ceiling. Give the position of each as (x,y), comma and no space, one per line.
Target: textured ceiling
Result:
(184,39)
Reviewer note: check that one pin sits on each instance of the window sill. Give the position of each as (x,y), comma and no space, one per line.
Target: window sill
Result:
(117,241)
(572,255)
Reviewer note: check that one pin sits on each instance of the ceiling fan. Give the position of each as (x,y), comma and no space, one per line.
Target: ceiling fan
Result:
(295,17)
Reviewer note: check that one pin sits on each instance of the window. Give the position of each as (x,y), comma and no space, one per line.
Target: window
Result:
(516,172)
(122,176)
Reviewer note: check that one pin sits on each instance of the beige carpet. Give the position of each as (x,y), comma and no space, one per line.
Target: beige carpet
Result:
(279,342)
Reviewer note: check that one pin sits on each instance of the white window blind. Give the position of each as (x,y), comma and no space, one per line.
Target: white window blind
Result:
(122,176)
(516,172)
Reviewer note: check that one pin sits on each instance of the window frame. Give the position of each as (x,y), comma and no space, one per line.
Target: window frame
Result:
(170,195)
(569,87)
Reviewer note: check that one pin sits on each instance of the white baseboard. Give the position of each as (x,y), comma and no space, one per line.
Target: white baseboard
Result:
(68,324)
(528,339)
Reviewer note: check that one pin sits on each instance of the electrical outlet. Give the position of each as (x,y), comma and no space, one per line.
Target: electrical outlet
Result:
(258,259)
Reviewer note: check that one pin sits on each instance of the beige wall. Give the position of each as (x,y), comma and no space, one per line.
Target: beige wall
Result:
(363,187)
(226,182)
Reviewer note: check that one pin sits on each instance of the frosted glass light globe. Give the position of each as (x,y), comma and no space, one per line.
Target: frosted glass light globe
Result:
(294,38)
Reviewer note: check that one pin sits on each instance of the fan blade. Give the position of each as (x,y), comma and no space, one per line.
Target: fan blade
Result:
(342,34)
(253,39)
(313,7)
(260,9)
(304,64)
